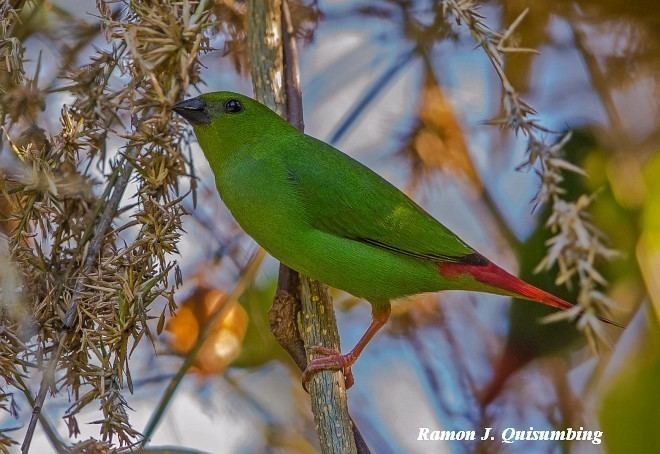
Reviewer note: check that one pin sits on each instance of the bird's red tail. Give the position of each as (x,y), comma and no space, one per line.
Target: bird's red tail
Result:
(488,273)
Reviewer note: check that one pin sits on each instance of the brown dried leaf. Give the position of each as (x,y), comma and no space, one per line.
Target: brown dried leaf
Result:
(438,142)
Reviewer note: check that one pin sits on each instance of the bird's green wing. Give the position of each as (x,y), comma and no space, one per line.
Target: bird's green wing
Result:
(343,197)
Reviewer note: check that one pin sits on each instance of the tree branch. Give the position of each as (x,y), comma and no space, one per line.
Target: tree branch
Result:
(275,81)
(326,388)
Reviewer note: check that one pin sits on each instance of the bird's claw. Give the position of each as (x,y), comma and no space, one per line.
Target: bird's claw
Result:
(328,359)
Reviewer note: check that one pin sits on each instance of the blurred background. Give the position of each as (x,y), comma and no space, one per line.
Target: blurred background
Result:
(404,87)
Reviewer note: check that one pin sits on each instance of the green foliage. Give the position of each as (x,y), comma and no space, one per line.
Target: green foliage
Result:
(651,216)
(259,345)
(630,414)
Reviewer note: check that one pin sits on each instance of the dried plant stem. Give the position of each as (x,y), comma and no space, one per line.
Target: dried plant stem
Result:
(89,294)
(51,433)
(48,377)
(47,381)
(246,277)
(108,214)
(576,243)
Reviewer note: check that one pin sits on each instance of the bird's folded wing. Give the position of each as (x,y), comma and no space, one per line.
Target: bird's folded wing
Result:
(343,197)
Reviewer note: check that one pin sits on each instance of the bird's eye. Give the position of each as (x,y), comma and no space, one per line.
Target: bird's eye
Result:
(233,106)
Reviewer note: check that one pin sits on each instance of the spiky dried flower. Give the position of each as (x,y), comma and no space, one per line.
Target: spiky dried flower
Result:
(11,49)
(12,301)
(89,293)
(577,244)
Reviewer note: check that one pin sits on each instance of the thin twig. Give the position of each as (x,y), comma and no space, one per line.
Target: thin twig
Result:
(46,382)
(286,306)
(246,277)
(54,438)
(376,87)
(597,78)
(109,213)
(292,89)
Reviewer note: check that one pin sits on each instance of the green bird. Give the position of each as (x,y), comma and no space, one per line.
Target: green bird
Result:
(325,215)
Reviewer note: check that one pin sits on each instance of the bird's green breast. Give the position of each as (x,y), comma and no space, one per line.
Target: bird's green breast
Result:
(256,191)
(258,188)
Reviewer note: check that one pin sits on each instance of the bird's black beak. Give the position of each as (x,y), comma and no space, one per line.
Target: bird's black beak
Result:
(194,110)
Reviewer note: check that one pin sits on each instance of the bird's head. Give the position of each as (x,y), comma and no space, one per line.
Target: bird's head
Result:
(227,120)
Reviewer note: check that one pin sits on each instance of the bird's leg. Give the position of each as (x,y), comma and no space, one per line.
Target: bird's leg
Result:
(331,359)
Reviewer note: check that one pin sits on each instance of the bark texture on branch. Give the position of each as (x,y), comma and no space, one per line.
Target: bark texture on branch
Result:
(272,82)
(326,388)
(265,52)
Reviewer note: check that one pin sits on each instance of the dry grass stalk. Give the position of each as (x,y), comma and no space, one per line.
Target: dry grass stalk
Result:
(576,245)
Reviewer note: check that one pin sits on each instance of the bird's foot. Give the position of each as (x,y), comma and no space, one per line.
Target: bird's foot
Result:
(329,359)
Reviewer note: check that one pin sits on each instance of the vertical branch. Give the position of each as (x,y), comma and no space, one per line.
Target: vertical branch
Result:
(265,50)
(291,74)
(326,388)
(269,77)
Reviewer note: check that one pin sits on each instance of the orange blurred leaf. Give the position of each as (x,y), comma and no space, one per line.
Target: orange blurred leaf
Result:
(224,343)
(437,142)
